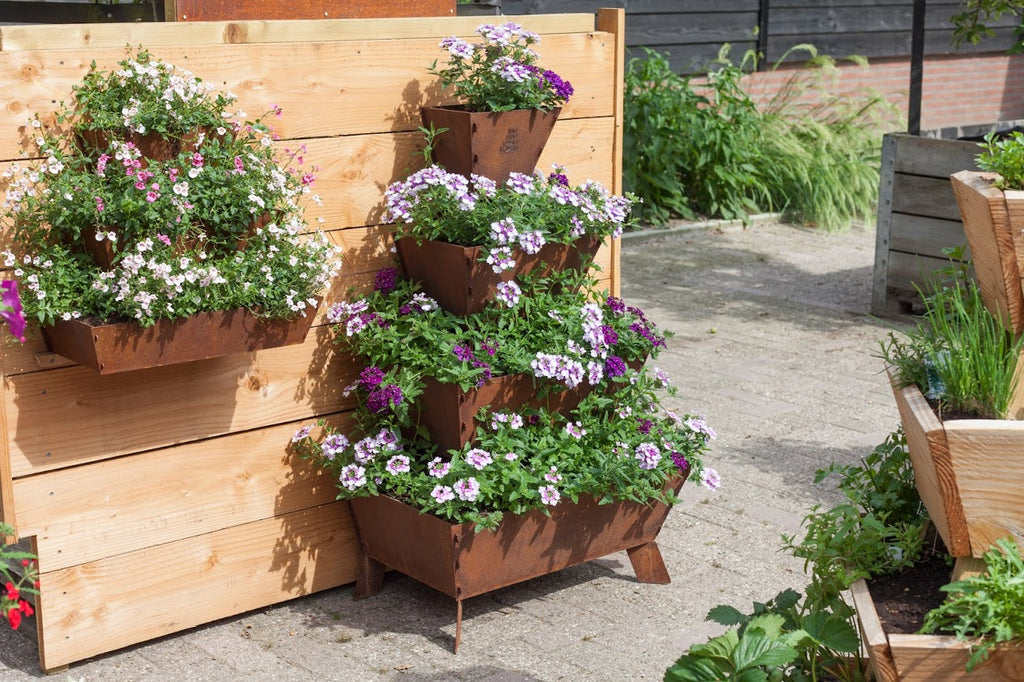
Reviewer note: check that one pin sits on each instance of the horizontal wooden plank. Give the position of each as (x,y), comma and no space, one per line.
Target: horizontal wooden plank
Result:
(98,510)
(68,416)
(655,30)
(925,236)
(907,270)
(94,36)
(920,195)
(922,658)
(934,157)
(105,605)
(392,83)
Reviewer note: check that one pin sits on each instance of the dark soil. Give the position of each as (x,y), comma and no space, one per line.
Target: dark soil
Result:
(902,600)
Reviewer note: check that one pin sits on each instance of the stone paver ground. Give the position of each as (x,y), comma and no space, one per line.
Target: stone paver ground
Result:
(774,345)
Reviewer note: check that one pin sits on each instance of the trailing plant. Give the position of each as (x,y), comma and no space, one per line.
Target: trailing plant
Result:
(20,574)
(706,147)
(780,640)
(619,444)
(878,530)
(969,22)
(961,356)
(1004,154)
(500,73)
(985,610)
(214,221)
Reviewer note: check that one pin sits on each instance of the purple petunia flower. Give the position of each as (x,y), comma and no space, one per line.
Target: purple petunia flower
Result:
(508,293)
(549,495)
(681,463)
(478,458)
(575,429)
(532,242)
(463,352)
(370,378)
(438,468)
(467,489)
(386,280)
(616,305)
(384,398)
(10,309)
(302,433)
(710,479)
(553,476)
(442,494)
(645,426)
(614,366)
(399,464)
(648,455)
(353,476)
(334,445)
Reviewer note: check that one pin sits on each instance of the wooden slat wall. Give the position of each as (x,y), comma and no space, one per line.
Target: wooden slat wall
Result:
(692,31)
(185,467)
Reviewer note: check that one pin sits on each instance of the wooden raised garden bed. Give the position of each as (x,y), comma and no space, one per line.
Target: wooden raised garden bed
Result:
(140,487)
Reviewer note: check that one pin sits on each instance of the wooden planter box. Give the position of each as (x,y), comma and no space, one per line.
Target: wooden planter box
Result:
(459,561)
(925,658)
(233,10)
(184,467)
(917,213)
(969,472)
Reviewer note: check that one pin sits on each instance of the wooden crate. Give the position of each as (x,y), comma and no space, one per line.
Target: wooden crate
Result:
(917,212)
(185,468)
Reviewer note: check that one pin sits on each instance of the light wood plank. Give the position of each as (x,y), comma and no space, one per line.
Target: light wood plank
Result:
(381,88)
(613,21)
(873,637)
(105,605)
(925,236)
(934,157)
(989,469)
(7,508)
(86,513)
(987,226)
(94,36)
(928,658)
(966,567)
(934,473)
(925,196)
(71,415)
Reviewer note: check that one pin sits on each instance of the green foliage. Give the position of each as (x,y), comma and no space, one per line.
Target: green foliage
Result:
(878,530)
(969,22)
(778,641)
(959,355)
(985,609)
(1004,154)
(707,148)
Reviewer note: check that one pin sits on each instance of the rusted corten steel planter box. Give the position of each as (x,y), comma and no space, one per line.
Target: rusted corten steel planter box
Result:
(491,144)
(449,413)
(463,284)
(124,346)
(460,562)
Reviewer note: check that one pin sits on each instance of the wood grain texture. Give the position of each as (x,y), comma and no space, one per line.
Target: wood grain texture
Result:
(925,236)
(934,157)
(929,658)
(873,637)
(613,21)
(107,416)
(95,36)
(933,470)
(921,195)
(987,226)
(104,605)
(986,456)
(90,512)
(391,86)
(219,10)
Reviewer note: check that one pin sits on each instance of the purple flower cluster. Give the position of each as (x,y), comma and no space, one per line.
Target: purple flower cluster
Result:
(370,378)
(386,280)
(614,366)
(500,259)
(616,305)
(644,330)
(463,352)
(511,70)
(478,458)
(648,455)
(681,463)
(352,476)
(532,242)
(508,293)
(467,489)
(383,399)
(504,231)
(558,367)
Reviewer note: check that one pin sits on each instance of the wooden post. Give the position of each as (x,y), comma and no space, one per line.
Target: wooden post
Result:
(614,21)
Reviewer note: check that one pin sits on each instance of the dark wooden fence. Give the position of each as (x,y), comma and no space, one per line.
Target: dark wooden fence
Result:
(692,31)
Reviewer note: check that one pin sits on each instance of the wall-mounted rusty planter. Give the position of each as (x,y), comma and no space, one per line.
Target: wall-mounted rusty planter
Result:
(462,563)
(492,144)
(449,413)
(124,346)
(463,284)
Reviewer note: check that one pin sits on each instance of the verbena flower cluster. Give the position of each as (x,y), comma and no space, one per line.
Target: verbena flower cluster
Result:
(620,443)
(500,73)
(521,215)
(16,585)
(217,224)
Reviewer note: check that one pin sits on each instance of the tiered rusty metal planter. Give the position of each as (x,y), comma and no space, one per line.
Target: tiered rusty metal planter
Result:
(462,284)
(492,144)
(124,346)
(459,561)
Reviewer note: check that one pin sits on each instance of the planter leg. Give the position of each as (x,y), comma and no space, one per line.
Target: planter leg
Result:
(458,624)
(648,564)
(370,579)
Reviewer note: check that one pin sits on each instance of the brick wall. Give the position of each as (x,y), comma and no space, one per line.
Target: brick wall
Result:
(957,91)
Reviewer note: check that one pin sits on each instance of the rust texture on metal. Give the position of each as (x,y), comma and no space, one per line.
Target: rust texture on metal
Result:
(492,144)
(462,563)
(120,347)
(229,10)
(462,284)
(449,413)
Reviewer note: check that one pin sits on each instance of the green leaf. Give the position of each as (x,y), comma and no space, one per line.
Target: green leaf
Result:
(756,650)
(832,632)
(691,668)
(724,614)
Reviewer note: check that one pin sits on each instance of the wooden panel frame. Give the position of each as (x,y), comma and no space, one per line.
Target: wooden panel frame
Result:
(265,529)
